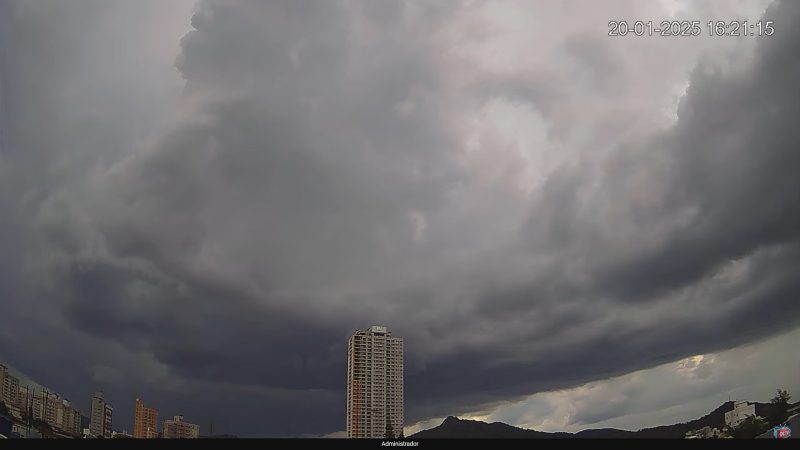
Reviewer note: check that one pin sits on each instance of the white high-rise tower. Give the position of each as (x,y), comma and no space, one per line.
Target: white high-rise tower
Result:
(374,384)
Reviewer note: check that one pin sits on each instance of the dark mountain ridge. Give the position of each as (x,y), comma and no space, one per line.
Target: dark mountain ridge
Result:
(453,427)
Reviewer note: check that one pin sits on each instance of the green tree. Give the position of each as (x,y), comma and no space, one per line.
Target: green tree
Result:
(781,397)
(779,407)
(389,429)
(750,428)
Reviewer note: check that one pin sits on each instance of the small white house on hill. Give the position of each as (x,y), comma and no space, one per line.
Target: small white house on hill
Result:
(741,410)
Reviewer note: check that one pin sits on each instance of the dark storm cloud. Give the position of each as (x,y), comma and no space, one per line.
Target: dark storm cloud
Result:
(314,179)
(726,171)
(611,346)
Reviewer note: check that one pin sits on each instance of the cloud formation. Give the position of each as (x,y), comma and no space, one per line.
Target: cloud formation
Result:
(667,394)
(532,208)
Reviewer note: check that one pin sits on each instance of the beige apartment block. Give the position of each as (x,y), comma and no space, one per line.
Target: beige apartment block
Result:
(374,384)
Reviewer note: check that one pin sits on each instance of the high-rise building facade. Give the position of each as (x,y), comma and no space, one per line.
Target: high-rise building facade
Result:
(50,408)
(145,421)
(101,418)
(69,419)
(374,384)
(9,388)
(31,403)
(178,429)
(52,403)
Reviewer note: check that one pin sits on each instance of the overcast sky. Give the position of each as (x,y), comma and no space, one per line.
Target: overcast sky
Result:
(201,200)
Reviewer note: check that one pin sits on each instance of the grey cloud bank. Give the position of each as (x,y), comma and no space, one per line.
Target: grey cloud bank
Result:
(322,166)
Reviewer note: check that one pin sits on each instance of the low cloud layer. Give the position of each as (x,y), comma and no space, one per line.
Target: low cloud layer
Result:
(667,394)
(532,208)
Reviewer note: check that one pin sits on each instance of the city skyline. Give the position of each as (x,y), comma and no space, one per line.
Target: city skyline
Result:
(28,401)
(200,200)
